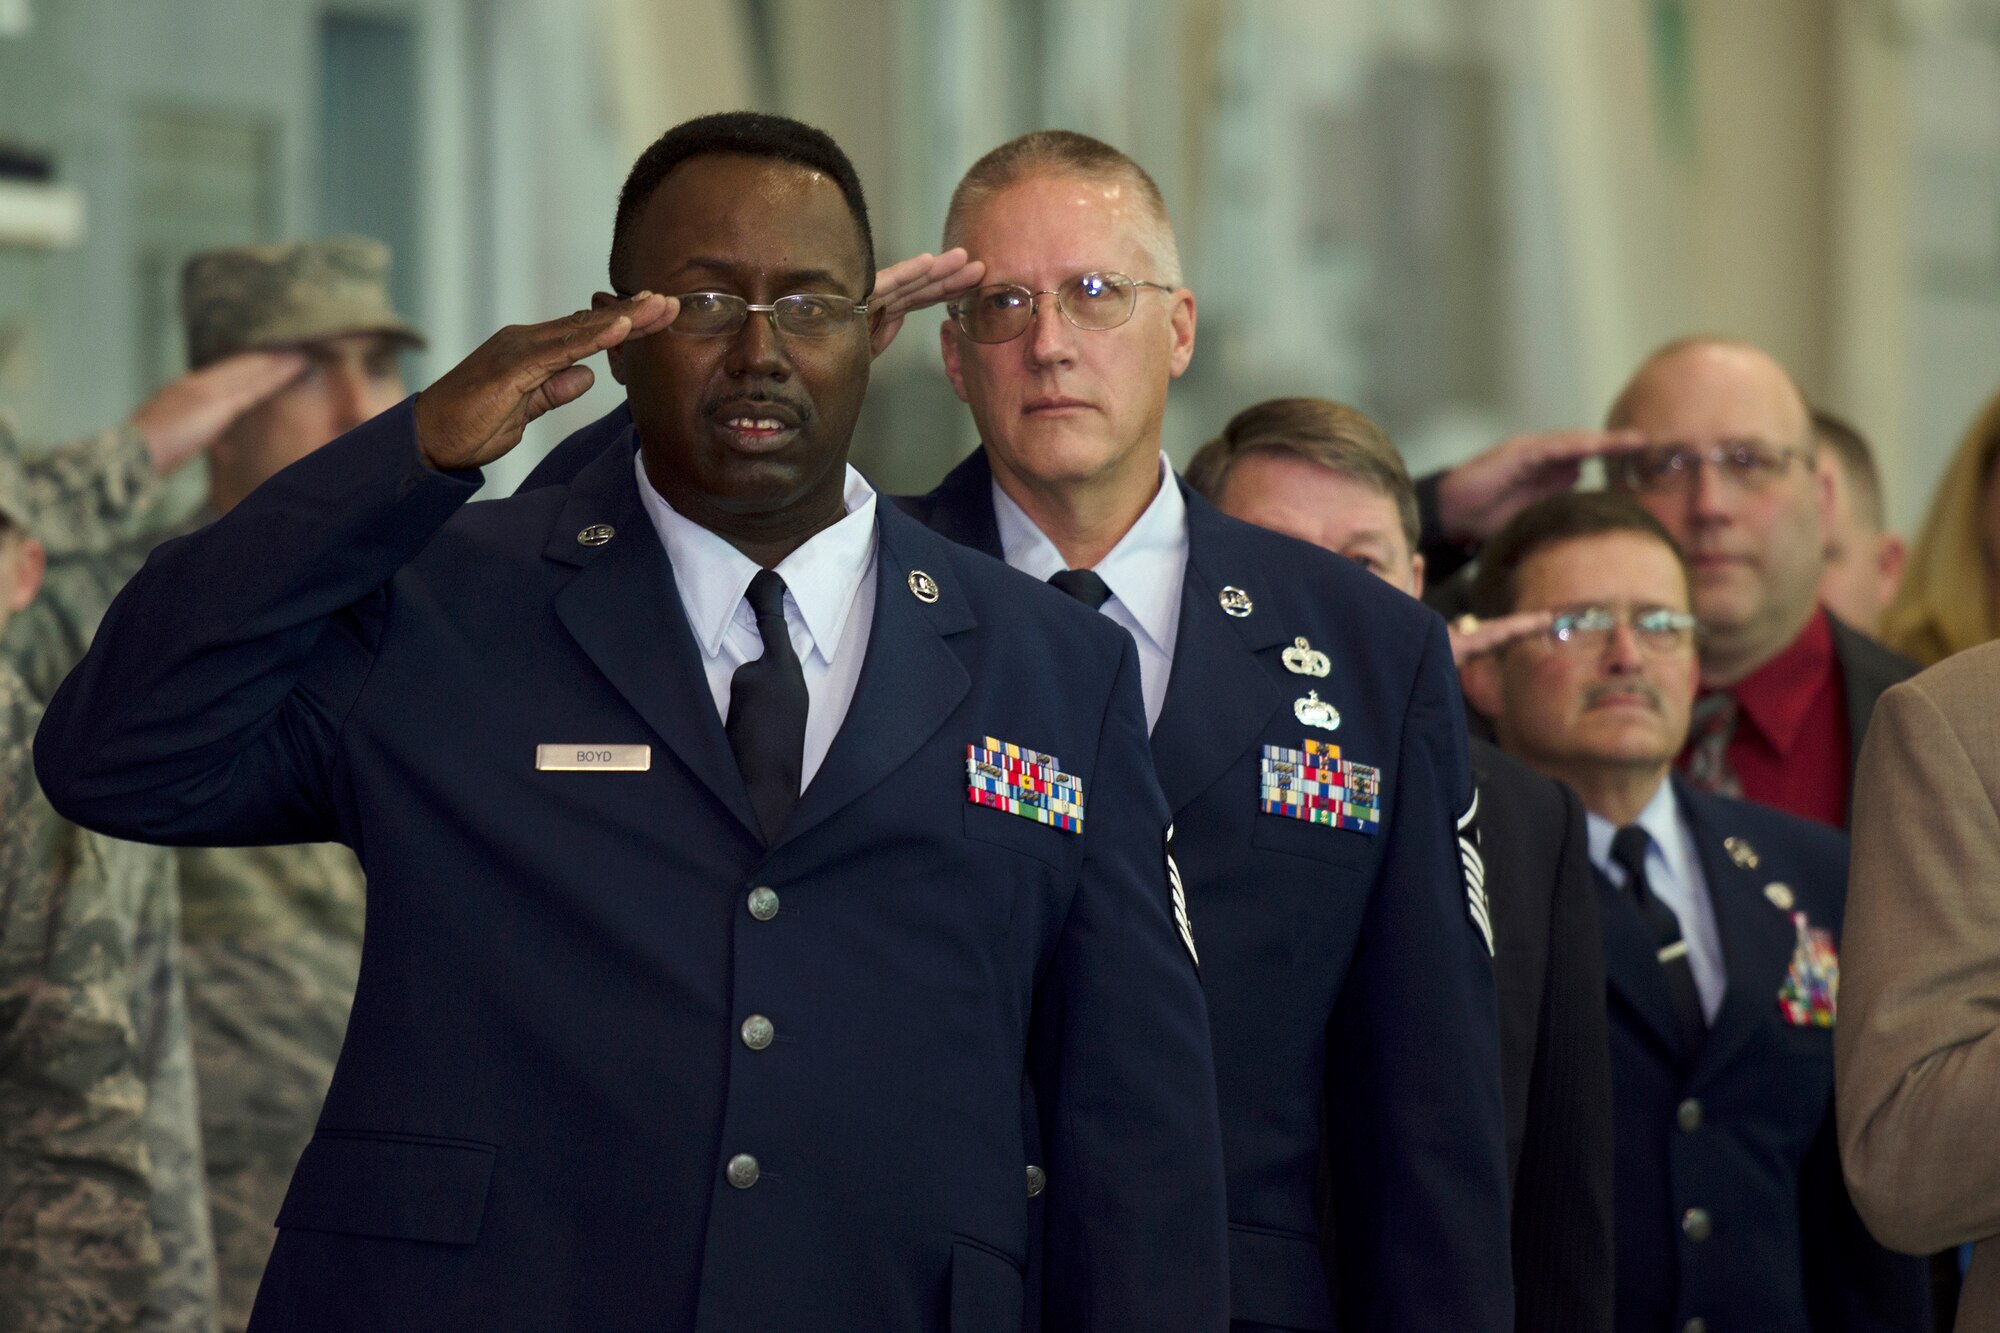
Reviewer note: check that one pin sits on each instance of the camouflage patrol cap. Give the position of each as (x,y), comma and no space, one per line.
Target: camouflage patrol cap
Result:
(252,296)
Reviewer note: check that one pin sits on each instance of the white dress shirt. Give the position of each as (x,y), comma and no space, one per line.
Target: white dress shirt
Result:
(1144,571)
(1675,876)
(829,605)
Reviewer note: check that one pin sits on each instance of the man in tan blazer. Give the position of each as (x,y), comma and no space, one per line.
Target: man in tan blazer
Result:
(1917,1048)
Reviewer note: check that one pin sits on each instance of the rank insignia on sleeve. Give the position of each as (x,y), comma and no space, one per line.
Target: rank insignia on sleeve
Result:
(1315,784)
(1023,782)
(1812,983)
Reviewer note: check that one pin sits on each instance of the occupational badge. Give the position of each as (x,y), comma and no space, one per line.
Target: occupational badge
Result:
(1780,895)
(1812,982)
(1023,782)
(1741,852)
(1305,660)
(1313,711)
(1316,785)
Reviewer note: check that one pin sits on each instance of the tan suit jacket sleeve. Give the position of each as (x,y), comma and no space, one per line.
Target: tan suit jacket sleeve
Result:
(1917,1046)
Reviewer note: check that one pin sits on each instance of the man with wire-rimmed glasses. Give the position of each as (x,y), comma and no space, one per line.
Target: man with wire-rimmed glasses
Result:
(1307,728)
(1721,924)
(1728,468)
(737,847)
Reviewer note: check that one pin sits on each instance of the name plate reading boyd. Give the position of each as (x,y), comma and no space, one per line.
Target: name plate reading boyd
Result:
(594,758)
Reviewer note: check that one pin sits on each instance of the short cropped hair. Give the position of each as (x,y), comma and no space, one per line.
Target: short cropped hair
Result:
(739,134)
(1339,438)
(1849,448)
(1065,152)
(1550,522)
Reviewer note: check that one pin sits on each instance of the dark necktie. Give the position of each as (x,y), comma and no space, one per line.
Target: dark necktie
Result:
(1082,584)
(1628,849)
(767,712)
(1711,726)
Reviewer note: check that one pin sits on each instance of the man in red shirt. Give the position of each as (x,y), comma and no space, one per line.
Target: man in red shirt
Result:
(1728,469)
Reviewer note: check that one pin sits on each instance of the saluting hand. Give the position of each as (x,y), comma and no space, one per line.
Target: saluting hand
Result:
(1472,637)
(477,410)
(905,288)
(190,413)
(1476,498)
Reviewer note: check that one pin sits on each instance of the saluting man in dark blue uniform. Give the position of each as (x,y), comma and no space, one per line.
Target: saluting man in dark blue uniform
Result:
(1306,726)
(734,858)
(1721,923)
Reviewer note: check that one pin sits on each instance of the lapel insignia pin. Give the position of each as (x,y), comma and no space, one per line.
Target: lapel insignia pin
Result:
(1812,983)
(1305,660)
(596,534)
(1741,852)
(1316,785)
(1780,896)
(923,586)
(1022,782)
(1314,711)
(1236,602)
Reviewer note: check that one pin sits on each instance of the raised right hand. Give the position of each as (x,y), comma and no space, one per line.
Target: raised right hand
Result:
(477,410)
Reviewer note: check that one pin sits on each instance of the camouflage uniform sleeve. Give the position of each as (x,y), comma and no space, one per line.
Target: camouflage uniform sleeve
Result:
(77,1247)
(94,494)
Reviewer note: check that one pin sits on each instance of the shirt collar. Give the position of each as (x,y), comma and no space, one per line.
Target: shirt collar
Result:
(822,576)
(1660,819)
(1135,569)
(1778,696)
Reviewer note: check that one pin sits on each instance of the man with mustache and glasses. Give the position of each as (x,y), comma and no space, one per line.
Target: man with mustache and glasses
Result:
(733,862)
(1721,925)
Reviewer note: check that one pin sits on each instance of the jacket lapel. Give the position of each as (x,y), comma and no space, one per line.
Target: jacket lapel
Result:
(961,508)
(623,610)
(1757,938)
(911,680)
(1219,697)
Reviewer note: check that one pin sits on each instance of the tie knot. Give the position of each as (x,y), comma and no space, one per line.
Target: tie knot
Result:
(766,594)
(1712,711)
(1628,848)
(1082,584)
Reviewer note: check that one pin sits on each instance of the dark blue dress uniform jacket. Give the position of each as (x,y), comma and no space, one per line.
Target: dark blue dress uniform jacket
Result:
(543,1080)
(1349,990)
(1735,1142)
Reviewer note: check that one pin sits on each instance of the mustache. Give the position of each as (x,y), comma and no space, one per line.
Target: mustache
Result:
(1650,692)
(799,409)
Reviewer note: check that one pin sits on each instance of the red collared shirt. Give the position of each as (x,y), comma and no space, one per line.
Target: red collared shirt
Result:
(1791,749)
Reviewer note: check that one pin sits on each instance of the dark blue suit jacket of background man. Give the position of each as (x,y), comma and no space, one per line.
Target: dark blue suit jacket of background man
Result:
(1741,1129)
(543,1078)
(1349,990)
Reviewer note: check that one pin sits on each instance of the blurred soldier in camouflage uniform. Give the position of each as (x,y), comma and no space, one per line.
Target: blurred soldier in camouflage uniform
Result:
(271,935)
(103,1222)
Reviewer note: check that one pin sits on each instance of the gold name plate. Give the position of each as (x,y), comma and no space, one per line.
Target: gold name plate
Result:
(594,758)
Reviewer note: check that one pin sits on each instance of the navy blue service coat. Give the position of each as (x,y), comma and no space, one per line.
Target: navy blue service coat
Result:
(548,1103)
(1729,1203)
(1350,989)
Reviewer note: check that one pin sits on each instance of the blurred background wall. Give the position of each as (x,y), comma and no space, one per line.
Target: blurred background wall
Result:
(1469,217)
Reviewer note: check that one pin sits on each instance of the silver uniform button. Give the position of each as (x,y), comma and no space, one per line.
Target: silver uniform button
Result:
(1688,1115)
(1696,1226)
(1695,1325)
(1038,1180)
(742,1171)
(757,1032)
(763,903)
